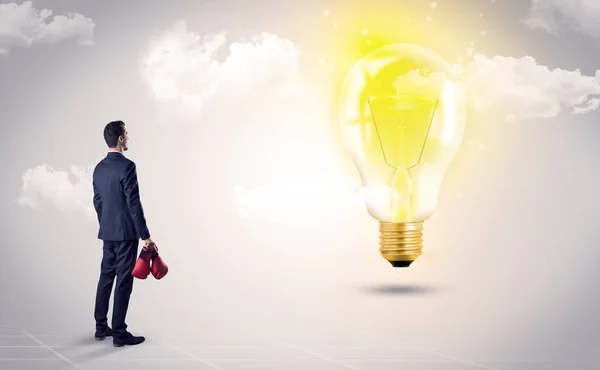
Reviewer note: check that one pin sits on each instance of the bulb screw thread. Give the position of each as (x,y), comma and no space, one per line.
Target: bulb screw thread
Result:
(401,242)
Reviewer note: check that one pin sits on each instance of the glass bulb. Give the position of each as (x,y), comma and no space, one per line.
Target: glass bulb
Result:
(402,113)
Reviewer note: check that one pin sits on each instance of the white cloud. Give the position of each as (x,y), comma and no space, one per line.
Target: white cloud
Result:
(255,82)
(553,16)
(44,186)
(22,25)
(591,105)
(521,88)
(184,70)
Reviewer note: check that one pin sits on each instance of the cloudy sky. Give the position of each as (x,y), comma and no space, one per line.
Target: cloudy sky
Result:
(230,111)
(190,74)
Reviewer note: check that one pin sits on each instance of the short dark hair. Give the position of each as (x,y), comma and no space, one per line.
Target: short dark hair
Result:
(112,131)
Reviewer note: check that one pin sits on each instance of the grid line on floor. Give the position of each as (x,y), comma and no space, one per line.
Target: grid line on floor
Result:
(182,351)
(312,353)
(431,351)
(349,360)
(51,350)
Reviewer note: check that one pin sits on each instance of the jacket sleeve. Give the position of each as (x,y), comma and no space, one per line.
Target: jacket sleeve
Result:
(132,196)
(97,201)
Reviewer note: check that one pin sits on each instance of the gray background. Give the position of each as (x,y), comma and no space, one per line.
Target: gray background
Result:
(252,201)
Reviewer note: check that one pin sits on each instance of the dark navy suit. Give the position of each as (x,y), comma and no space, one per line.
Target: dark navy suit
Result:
(122,225)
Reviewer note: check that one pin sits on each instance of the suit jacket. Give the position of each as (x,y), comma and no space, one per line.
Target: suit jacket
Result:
(117,200)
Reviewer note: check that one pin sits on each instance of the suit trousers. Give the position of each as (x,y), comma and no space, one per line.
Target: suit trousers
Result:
(118,259)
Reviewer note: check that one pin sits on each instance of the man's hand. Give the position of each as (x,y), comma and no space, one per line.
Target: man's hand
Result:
(149,244)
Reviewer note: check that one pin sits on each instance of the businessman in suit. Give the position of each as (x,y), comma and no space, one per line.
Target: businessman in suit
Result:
(122,225)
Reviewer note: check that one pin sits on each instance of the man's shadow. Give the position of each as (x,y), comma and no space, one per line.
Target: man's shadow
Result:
(97,349)
(398,289)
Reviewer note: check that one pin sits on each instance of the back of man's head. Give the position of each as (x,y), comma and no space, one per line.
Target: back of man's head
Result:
(112,131)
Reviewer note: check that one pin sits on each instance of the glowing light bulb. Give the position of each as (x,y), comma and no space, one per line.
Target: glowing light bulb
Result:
(402,116)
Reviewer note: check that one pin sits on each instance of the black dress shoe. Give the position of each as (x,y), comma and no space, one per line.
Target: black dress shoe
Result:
(129,340)
(101,334)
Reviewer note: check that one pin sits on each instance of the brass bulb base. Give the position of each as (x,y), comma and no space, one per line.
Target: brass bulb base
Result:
(401,242)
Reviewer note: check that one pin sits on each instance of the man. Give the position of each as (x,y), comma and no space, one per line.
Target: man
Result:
(122,224)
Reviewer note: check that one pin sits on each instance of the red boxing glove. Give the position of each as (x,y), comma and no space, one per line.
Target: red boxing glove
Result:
(142,265)
(159,267)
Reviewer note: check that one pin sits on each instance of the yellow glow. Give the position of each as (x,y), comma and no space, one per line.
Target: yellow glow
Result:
(365,27)
(402,118)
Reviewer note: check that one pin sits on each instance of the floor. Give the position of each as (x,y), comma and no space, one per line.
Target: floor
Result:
(51,348)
